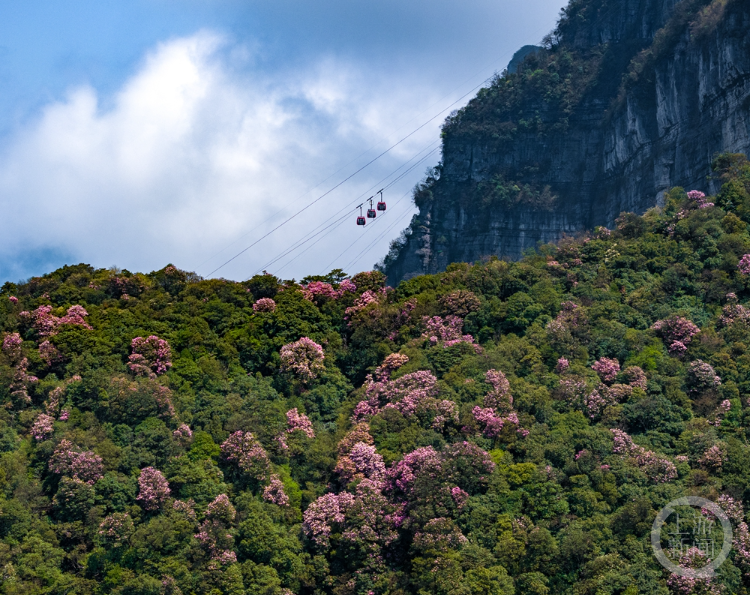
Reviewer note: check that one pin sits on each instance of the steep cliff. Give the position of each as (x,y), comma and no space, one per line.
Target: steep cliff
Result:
(629,98)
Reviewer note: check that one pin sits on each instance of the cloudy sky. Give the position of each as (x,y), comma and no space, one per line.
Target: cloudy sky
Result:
(142,132)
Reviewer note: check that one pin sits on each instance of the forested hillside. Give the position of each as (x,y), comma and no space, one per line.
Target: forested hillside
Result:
(496,429)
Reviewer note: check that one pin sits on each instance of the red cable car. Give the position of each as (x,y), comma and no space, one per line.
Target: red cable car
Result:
(371,214)
(381,202)
(360,219)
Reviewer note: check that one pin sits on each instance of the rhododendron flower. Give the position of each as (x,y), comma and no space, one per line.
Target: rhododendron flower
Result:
(82,465)
(214,534)
(242,448)
(677,331)
(299,421)
(362,461)
(13,299)
(320,291)
(699,199)
(12,343)
(347,286)
(43,427)
(323,513)
(48,353)
(153,488)
(744,265)
(115,529)
(274,492)
(304,358)
(264,305)
(47,325)
(151,356)
(701,376)
(656,468)
(713,458)
(606,368)
(447,331)
(183,432)
(562,365)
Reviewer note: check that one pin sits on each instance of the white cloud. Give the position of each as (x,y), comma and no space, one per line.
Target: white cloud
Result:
(194,152)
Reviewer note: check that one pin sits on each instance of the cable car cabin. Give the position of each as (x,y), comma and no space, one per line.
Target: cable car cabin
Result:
(371,214)
(361,220)
(381,206)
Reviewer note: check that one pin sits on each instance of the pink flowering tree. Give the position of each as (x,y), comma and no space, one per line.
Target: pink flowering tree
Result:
(274,492)
(446,331)
(153,488)
(47,324)
(698,200)
(694,584)
(498,407)
(743,266)
(677,331)
(68,460)
(151,356)
(43,427)
(701,376)
(606,368)
(214,534)
(21,380)
(115,529)
(303,358)
(361,462)
(319,292)
(324,515)
(656,468)
(244,449)
(264,305)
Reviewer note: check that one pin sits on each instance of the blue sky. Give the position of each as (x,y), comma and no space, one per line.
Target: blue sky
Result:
(138,133)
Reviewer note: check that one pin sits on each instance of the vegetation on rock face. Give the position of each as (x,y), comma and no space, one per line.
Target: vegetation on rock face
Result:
(498,428)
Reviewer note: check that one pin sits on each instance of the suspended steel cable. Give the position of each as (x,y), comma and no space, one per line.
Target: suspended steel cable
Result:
(312,233)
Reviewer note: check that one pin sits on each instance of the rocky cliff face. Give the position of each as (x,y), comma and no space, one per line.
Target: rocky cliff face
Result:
(670,89)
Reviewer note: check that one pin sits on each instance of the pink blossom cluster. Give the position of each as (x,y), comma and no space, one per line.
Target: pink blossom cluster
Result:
(693,584)
(721,412)
(43,427)
(498,406)
(274,492)
(153,488)
(677,331)
(713,458)
(412,394)
(320,291)
(698,198)
(439,535)
(13,299)
(656,468)
(183,432)
(299,422)
(214,532)
(391,363)
(361,462)
(151,356)
(606,368)
(186,508)
(446,331)
(368,297)
(324,514)
(304,358)
(47,325)
(567,320)
(741,547)
(596,402)
(116,528)
(733,508)
(602,232)
(460,302)
(369,520)
(48,353)
(403,474)
(264,305)
(460,497)
(734,312)
(572,389)
(347,286)
(562,365)
(243,448)
(21,379)
(701,376)
(68,460)
(636,377)
(744,265)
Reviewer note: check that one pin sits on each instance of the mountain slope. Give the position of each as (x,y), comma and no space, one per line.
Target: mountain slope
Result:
(502,428)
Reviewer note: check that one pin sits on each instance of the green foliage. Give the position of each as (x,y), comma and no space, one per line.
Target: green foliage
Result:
(560,511)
